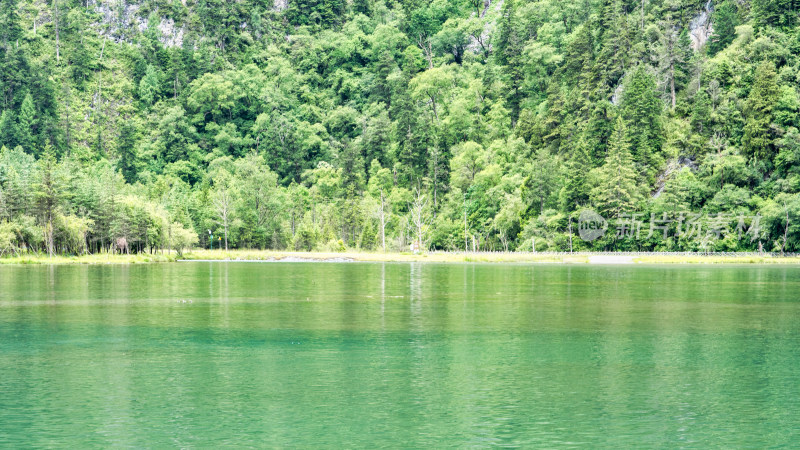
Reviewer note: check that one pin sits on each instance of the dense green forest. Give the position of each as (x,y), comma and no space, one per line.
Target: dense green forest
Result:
(137,125)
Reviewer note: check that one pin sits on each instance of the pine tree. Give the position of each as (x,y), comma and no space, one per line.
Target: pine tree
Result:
(576,189)
(10,29)
(580,56)
(776,13)
(129,162)
(351,161)
(504,43)
(8,129)
(617,191)
(26,123)
(316,12)
(48,195)
(553,129)
(79,56)
(616,43)
(759,135)
(670,50)
(410,134)
(509,53)
(148,86)
(641,110)
(725,21)
(362,7)
(384,67)
(684,55)
(542,180)
(701,112)
(176,70)
(599,128)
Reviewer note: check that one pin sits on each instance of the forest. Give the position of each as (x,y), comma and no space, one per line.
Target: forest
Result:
(141,125)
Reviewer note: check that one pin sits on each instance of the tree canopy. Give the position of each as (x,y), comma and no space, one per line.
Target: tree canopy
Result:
(325,124)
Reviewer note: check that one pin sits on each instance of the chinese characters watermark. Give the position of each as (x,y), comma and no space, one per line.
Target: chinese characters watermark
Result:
(683,225)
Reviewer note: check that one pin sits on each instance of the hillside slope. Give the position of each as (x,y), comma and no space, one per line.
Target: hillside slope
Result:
(325,124)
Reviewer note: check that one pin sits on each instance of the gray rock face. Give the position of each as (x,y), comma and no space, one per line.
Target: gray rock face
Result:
(280,5)
(171,36)
(476,45)
(120,20)
(673,166)
(616,96)
(700,28)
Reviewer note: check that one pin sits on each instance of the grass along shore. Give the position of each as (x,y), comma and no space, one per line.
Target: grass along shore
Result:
(95,259)
(489,257)
(442,257)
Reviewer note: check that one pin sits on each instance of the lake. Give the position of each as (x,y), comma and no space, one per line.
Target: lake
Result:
(208,354)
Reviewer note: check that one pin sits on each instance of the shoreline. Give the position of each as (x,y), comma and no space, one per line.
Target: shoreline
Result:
(486,257)
(92,260)
(437,257)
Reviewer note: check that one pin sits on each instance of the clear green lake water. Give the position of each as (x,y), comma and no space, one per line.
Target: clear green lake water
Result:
(399,355)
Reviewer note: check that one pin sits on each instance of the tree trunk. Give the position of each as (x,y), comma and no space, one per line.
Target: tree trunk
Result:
(50,243)
(672,84)
(570,234)
(226,233)
(466,244)
(642,15)
(785,229)
(383,225)
(55,19)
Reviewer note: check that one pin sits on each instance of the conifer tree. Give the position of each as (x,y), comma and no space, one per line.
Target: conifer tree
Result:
(48,195)
(613,56)
(701,112)
(599,127)
(504,40)
(641,110)
(542,180)
(576,189)
(725,21)
(26,121)
(509,53)
(148,86)
(10,30)
(362,7)
(79,56)
(617,191)
(759,135)
(128,159)
(776,13)
(8,129)
(683,59)
(670,51)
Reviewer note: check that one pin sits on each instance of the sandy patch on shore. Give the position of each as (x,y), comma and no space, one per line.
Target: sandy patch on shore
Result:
(610,259)
(280,259)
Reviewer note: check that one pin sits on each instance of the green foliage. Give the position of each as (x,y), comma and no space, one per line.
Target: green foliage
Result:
(317,12)
(149,86)
(26,125)
(326,124)
(616,191)
(8,129)
(759,134)
(576,190)
(182,238)
(7,239)
(725,20)
(776,13)
(641,109)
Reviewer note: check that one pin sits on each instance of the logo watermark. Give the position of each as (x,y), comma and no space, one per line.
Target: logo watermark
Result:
(685,225)
(591,225)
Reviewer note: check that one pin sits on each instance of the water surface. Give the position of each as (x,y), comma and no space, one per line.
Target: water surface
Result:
(399,355)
